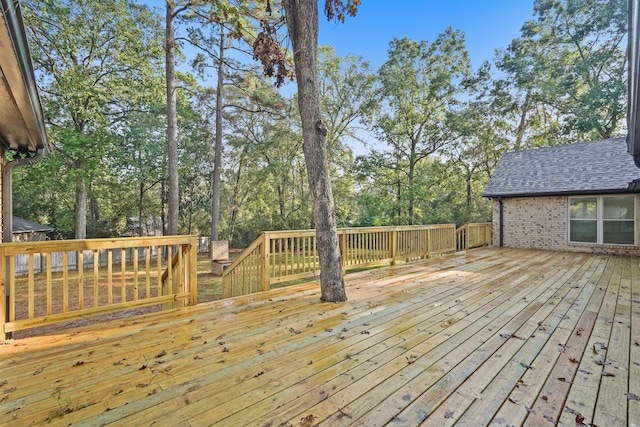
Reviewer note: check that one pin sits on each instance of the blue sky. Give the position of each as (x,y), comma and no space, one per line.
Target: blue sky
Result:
(487,24)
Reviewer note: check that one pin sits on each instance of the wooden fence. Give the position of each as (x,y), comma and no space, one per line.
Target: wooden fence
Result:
(160,271)
(473,235)
(289,255)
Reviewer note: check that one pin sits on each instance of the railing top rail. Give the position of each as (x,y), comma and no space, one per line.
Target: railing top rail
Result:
(92,244)
(282,233)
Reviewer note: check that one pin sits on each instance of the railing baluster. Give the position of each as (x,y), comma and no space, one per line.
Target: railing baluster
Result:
(65,281)
(80,280)
(31,295)
(96,278)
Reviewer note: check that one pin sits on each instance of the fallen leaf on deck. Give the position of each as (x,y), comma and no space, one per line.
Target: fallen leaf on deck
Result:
(579,419)
(308,419)
(607,374)
(448,414)
(572,360)
(524,365)
(162,353)
(632,396)
(579,332)
(78,363)
(143,367)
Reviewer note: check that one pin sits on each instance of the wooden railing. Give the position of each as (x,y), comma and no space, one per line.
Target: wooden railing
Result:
(279,256)
(161,271)
(473,235)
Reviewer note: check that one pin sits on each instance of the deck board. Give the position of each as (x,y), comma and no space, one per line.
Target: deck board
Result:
(487,337)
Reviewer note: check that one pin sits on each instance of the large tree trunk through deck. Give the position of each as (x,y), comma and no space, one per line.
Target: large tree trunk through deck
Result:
(172,125)
(302,23)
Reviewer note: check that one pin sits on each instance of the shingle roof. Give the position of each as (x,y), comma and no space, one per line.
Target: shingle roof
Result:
(584,168)
(21,225)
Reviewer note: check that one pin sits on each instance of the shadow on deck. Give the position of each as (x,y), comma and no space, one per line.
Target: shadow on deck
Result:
(491,336)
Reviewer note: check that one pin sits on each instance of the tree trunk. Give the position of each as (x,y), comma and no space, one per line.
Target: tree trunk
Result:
(140,209)
(217,157)
(81,201)
(302,22)
(172,125)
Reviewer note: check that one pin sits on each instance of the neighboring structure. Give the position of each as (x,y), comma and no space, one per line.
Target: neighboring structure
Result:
(29,231)
(579,197)
(22,129)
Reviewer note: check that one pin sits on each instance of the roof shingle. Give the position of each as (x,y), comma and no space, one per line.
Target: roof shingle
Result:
(588,167)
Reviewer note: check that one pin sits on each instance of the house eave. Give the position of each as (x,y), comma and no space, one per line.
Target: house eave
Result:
(22,125)
(631,189)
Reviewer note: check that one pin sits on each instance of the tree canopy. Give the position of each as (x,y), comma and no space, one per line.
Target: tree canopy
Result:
(430,129)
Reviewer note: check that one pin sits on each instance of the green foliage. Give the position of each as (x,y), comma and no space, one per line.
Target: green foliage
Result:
(569,66)
(433,129)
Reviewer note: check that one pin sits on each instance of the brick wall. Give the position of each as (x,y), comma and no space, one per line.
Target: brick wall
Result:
(1,196)
(541,223)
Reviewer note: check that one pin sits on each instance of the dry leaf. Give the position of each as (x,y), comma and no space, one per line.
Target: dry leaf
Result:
(572,360)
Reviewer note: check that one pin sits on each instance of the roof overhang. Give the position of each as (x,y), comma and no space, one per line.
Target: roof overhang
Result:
(632,188)
(21,120)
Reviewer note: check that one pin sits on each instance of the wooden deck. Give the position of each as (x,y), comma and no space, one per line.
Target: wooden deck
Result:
(490,337)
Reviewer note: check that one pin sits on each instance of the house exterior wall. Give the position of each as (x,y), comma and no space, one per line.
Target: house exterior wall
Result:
(541,223)
(1,195)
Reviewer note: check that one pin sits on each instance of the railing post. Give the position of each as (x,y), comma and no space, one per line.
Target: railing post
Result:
(193,270)
(265,273)
(428,253)
(467,236)
(342,238)
(3,294)
(394,242)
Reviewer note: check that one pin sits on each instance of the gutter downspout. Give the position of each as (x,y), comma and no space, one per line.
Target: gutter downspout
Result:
(7,208)
(501,221)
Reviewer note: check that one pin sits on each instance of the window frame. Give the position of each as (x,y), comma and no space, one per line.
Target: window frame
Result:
(600,220)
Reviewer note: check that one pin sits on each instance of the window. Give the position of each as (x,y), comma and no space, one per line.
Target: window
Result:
(606,220)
